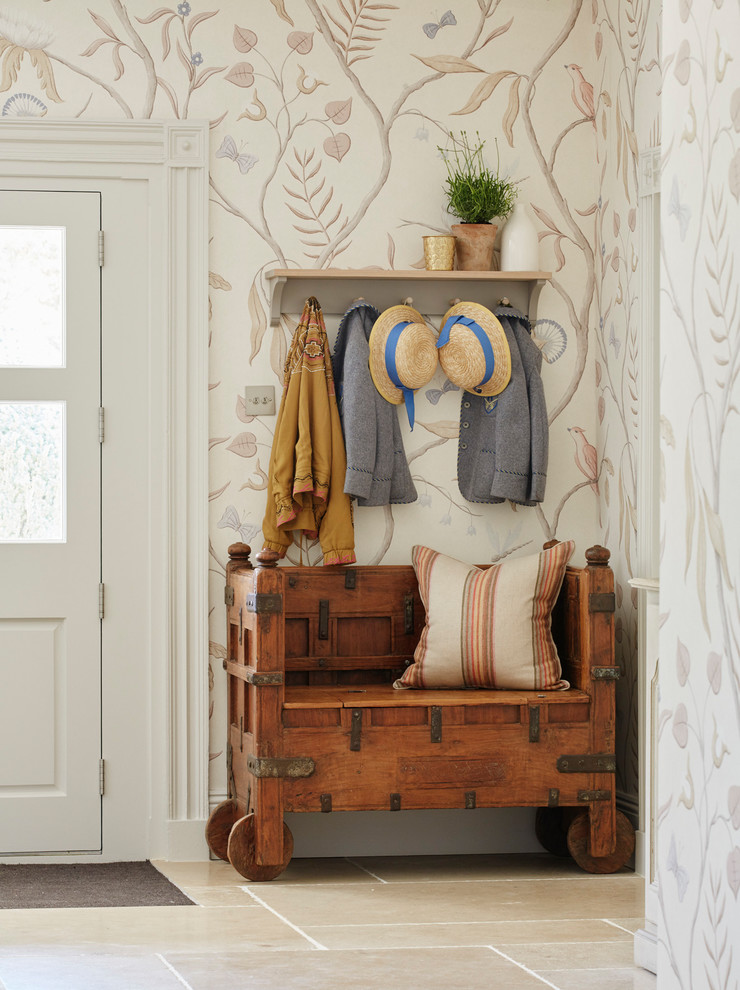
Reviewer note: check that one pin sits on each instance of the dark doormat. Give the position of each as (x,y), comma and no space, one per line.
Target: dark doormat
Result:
(76,885)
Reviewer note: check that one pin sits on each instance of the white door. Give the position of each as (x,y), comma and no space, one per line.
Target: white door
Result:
(50,522)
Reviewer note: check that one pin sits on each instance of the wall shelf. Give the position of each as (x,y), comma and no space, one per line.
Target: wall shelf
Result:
(432,292)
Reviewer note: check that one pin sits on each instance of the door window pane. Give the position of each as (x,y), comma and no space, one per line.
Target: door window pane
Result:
(32,472)
(32,297)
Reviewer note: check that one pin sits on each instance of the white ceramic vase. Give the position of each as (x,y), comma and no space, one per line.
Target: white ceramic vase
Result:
(519,245)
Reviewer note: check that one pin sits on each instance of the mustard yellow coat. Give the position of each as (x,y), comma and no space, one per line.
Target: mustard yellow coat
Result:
(308,461)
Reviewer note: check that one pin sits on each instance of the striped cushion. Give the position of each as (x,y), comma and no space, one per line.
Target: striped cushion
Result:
(488,628)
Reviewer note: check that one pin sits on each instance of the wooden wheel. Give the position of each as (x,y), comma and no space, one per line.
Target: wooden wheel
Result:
(551,828)
(218,827)
(578,835)
(241,851)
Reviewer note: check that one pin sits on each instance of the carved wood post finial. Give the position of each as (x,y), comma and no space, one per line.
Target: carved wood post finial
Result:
(268,558)
(598,556)
(239,551)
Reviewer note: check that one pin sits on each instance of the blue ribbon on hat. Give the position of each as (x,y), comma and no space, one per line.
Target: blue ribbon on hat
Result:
(483,339)
(390,366)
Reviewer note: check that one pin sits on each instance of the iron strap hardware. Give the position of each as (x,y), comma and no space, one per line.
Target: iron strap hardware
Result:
(553,797)
(408,614)
(263,604)
(274,766)
(356,730)
(534,723)
(588,796)
(350,579)
(229,595)
(395,802)
(252,676)
(605,673)
(469,800)
(587,763)
(435,722)
(326,803)
(324,618)
(602,602)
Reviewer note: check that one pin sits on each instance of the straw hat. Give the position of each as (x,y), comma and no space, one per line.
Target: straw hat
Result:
(473,349)
(403,355)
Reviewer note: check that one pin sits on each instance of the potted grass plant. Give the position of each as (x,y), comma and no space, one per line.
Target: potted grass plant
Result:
(476,196)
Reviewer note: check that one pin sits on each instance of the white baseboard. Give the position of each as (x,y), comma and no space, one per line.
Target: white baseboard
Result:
(646,948)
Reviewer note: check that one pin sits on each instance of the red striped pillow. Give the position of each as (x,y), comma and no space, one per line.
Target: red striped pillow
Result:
(488,628)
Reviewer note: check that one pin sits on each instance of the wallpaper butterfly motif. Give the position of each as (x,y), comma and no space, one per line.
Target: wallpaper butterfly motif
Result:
(447,19)
(244,160)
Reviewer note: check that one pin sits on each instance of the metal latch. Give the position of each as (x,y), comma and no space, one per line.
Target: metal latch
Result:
(469,800)
(587,763)
(350,579)
(263,604)
(435,721)
(408,613)
(273,766)
(324,618)
(553,797)
(326,803)
(605,673)
(534,723)
(395,802)
(356,730)
(229,595)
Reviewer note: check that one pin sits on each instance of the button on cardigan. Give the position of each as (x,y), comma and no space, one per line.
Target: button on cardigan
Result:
(308,464)
(377,469)
(503,444)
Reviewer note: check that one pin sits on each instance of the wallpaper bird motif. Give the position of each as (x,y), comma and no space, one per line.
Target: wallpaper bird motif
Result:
(322,157)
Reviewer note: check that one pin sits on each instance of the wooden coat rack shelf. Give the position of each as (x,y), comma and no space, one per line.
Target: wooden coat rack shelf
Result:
(431,292)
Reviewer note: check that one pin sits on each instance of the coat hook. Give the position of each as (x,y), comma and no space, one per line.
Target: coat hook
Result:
(358,300)
(408,301)
(455,301)
(504,302)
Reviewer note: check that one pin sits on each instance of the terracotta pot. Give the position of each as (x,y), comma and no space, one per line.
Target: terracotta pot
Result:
(474,246)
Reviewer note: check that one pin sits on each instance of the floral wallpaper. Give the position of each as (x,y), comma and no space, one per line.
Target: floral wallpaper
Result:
(698,816)
(321,157)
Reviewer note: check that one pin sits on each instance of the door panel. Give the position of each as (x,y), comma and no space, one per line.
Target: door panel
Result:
(50,508)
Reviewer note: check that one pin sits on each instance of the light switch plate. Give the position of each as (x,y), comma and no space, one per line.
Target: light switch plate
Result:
(259,400)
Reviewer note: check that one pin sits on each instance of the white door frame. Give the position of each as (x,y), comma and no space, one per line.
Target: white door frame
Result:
(156,642)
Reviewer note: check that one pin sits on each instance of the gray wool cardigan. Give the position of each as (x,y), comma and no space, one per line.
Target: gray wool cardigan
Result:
(503,445)
(377,469)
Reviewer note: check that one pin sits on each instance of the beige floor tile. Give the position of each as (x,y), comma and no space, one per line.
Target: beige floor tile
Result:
(68,970)
(162,929)
(398,936)
(523,900)
(571,955)
(453,969)
(630,978)
(500,867)
(217,873)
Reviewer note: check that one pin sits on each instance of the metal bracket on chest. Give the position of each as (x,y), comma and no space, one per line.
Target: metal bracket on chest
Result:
(355,736)
(587,763)
(323,618)
(263,604)
(408,614)
(604,602)
(273,766)
(605,673)
(534,723)
(350,580)
(229,595)
(435,722)
(588,796)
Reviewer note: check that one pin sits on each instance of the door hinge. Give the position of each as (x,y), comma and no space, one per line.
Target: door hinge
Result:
(101,248)
(101,424)
(101,600)
(101,776)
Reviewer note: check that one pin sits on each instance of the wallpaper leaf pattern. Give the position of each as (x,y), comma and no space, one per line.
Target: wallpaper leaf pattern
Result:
(699,865)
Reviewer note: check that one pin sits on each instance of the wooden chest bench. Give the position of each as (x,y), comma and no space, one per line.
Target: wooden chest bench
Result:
(314,723)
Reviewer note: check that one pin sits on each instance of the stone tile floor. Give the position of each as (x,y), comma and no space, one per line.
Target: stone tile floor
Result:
(468,922)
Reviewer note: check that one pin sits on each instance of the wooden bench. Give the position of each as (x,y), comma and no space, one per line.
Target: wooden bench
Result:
(314,723)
